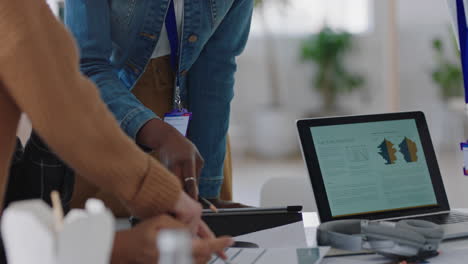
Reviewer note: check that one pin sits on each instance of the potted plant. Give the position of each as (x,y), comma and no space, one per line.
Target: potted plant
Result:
(327,50)
(447,74)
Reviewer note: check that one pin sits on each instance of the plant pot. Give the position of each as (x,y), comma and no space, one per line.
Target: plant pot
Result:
(274,133)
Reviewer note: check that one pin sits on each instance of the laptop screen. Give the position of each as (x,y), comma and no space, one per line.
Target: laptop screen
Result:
(373,167)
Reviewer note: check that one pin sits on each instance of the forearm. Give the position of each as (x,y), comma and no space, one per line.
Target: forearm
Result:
(89,22)
(40,71)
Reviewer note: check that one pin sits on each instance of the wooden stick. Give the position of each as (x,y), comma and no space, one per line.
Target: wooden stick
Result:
(57,210)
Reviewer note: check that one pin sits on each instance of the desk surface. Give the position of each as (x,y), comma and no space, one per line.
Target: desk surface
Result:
(311,222)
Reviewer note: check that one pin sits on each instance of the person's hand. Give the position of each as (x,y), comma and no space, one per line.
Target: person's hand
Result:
(174,151)
(138,244)
(188,211)
(203,249)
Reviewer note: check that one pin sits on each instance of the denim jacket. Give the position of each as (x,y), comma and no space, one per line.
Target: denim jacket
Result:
(117,38)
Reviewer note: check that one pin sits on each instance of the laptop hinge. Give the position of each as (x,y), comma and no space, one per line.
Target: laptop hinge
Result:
(412,216)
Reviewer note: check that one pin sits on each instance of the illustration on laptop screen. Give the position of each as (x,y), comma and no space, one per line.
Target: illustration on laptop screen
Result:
(373,167)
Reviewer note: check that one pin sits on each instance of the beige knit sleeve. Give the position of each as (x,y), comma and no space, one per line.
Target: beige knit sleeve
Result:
(39,68)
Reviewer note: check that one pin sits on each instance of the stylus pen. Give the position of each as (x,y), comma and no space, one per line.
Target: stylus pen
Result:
(190,186)
(351,254)
(208,204)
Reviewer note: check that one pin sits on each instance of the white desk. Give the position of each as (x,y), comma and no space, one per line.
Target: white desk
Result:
(311,222)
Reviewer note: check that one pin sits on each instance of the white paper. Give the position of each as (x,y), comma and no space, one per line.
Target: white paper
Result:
(29,235)
(272,256)
(286,236)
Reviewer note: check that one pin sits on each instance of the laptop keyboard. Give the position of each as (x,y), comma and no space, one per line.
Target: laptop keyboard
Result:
(444,219)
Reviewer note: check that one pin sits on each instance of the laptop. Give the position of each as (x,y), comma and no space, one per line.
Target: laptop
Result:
(377,167)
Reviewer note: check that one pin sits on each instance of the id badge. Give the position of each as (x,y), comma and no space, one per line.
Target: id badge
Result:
(179,119)
(464,149)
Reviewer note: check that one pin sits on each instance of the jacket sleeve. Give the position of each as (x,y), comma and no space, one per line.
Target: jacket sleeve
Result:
(89,22)
(39,70)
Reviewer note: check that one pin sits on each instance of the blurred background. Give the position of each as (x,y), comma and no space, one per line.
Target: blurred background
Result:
(310,58)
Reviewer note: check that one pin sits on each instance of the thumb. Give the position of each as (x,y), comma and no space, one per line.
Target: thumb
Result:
(219,244)
(204,248)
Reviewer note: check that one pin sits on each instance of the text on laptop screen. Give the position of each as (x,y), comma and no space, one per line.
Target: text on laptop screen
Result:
(373,167)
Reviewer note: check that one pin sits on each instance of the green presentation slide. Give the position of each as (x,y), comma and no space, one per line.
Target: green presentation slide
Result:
(375,166)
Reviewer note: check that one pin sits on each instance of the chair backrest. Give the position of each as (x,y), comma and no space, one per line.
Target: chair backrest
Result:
(283,191)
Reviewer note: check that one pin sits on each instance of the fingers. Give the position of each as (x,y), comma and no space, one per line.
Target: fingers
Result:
(204,249)
(204,231)
(190,180)
(188,211)
(164,222)
(191,187)
(218,246)
(177,170)
(200,163)
(188,172)
(193,223)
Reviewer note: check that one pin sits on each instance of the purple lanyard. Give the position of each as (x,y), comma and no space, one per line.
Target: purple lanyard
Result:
(462,33)
(172,35)
(462,36)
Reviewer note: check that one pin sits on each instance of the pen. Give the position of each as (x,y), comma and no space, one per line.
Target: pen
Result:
(190,185)
(208,204)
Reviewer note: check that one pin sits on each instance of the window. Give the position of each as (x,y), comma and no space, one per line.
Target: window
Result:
(299,17)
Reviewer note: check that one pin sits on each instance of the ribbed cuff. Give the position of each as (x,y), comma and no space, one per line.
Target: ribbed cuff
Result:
(158,192)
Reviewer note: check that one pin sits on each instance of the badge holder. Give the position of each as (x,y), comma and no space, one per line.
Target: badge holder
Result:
(179,119)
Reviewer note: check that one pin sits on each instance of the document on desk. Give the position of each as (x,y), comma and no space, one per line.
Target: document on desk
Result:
(286,236)
(272,256)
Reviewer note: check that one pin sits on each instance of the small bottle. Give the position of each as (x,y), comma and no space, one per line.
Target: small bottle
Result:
(174,247)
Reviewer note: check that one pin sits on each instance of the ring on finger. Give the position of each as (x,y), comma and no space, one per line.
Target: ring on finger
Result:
(190,179)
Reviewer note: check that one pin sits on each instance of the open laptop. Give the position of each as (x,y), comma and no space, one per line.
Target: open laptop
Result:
(377,167)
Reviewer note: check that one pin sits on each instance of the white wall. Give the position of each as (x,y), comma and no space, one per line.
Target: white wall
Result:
(419,22)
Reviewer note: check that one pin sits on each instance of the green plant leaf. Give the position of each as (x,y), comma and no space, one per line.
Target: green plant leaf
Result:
(327,50)
(447,74)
